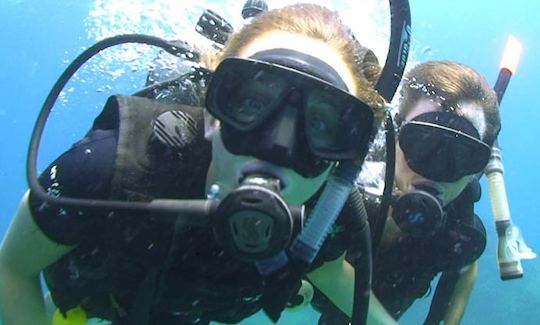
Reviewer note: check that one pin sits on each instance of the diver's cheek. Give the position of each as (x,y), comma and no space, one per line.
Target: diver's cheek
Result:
(218,184)
(450,191)
(225,168)
(300,189)
(403,174)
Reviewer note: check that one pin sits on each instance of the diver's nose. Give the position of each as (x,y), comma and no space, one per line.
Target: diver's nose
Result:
(284,134)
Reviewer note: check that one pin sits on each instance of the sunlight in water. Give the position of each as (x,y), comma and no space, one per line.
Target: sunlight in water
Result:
(172,19)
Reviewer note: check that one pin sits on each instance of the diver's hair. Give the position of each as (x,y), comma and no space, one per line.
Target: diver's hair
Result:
(322,24)
(450,83)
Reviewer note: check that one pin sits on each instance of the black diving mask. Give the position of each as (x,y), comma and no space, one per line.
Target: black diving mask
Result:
(443,146)
(294,112)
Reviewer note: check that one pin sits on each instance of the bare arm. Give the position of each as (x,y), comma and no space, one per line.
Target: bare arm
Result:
(24,253)
(461,294)
(336,280)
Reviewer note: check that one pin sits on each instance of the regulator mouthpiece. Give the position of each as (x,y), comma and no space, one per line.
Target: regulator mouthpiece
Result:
(253,222)
(418,213)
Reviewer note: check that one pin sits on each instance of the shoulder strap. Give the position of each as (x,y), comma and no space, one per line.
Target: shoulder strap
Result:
(140,171)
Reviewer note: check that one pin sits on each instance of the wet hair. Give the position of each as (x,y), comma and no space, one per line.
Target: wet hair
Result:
(321,24)
(450,84)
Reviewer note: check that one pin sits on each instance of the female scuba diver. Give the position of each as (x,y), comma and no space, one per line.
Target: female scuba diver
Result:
(448,119)
(288,98)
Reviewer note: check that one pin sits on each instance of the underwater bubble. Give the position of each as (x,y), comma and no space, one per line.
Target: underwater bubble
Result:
(116,73)
(427,49)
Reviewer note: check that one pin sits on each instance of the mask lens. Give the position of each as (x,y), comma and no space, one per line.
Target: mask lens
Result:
(254,98)
(321,121)
(243,93)
(335,125)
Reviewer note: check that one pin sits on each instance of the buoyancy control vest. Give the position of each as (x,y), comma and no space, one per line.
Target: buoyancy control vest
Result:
(405,268)
(196,278)
(150,165)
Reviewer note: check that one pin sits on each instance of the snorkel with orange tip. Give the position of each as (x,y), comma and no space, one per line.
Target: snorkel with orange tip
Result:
(511,248)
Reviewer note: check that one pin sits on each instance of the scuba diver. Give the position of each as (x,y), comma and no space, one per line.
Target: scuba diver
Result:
(288,98)
(447,121)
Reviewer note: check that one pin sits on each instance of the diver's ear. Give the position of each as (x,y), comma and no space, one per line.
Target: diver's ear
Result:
(211,125)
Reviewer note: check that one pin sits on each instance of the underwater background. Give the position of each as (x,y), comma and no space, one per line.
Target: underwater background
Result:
(39,38)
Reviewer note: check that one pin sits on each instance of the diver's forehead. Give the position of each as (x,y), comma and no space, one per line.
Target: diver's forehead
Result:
(423,105)
(470,110)
(304,44)
(475,114)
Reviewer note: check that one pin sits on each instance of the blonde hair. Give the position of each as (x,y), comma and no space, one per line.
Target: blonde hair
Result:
(450,83)
(319,23)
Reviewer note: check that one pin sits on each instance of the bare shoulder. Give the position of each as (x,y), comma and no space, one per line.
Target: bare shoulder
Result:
(25,248)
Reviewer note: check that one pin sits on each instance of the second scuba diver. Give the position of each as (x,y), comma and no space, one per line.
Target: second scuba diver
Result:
(447,120)
(288,100)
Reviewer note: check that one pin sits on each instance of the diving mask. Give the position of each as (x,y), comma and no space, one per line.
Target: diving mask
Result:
(443,146)
(294,112)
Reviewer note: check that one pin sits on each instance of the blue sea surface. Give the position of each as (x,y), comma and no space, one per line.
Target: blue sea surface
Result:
(39,39)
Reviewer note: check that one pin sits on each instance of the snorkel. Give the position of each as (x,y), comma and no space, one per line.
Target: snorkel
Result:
(200,212)
(511,248)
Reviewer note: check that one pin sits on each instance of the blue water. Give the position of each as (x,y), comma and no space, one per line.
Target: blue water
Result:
(39,37)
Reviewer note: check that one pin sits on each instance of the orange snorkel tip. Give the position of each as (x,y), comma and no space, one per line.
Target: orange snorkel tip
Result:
(509,63)
(512,54)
